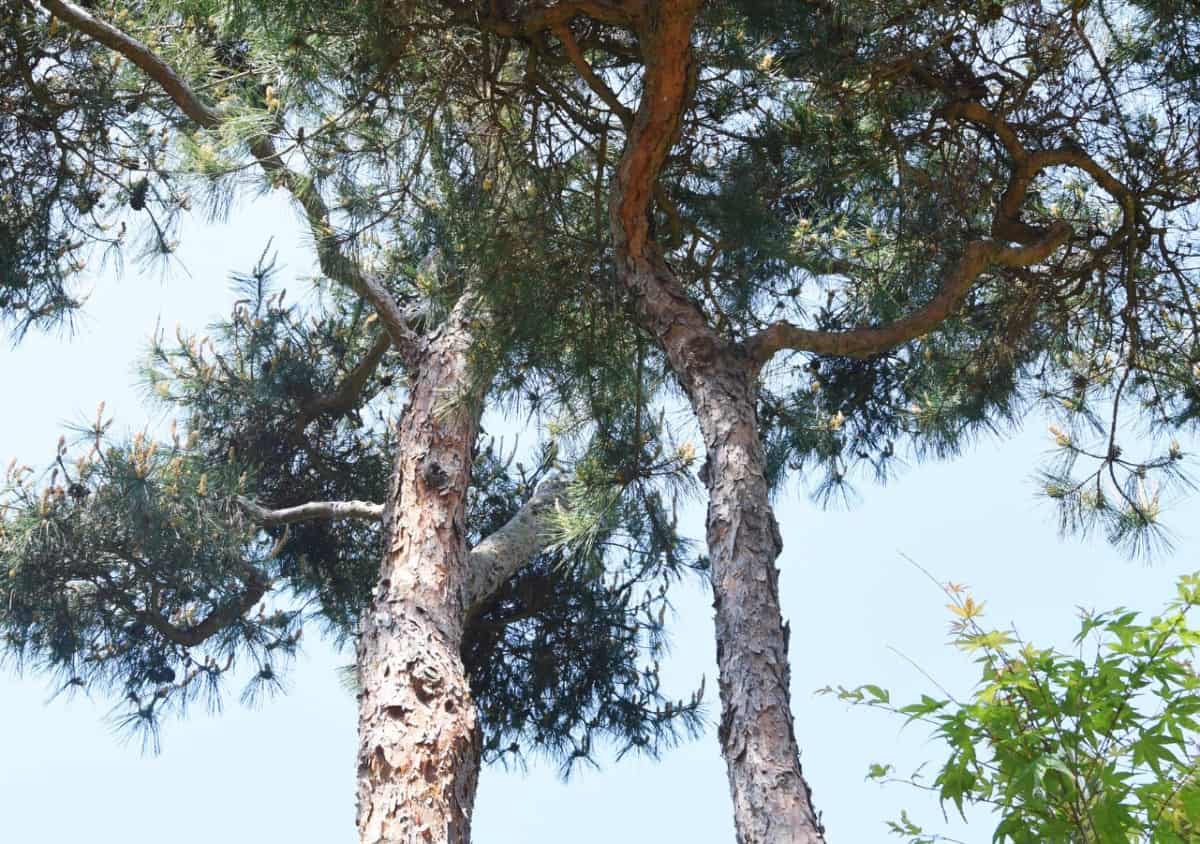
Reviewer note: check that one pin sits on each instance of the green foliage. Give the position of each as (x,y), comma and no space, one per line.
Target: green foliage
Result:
(250,393)
(823,175)
(58,96)
(563,660)
(1094,745)
(823,178)
(130,569)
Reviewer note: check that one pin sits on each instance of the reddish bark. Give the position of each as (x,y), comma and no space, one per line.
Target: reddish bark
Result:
(771,800)
(419,742)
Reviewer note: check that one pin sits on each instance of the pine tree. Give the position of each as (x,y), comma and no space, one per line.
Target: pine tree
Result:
(848,230)
(856,228)
(328,467)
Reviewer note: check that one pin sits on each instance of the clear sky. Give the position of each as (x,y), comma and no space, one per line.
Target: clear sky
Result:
(285,771)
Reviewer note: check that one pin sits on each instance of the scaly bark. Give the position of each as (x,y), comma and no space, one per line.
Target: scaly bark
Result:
(419,742)
(419,750)
(772,802)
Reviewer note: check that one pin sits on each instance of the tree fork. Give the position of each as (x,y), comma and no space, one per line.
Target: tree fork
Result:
(772,802)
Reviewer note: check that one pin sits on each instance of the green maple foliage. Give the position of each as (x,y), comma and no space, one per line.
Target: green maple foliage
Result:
(1095,744)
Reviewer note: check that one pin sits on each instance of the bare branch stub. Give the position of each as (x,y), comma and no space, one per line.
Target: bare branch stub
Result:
(364,510)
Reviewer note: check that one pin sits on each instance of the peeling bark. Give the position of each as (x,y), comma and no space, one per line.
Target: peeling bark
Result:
(420,747)
(419,741)
(419,737)
(772,801)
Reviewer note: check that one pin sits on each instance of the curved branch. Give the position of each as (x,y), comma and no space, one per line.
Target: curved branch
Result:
(666,87)
(1028,165)
(523,537)
(977,257)
(141,55)
(364,510)
(1037,244)
(220,618)
(571,47)
(347,395)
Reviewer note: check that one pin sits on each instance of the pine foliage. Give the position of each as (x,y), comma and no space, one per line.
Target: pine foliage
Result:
(836,162)
(134,569)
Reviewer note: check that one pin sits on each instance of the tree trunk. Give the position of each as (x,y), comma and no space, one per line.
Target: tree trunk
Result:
(772,801)
(419,742)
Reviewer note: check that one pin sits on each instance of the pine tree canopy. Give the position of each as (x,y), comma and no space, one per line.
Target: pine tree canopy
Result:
(902,224)
(841,166)
(157,567)
(926,221)
(847,166)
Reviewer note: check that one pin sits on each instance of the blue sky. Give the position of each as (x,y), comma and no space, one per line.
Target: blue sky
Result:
(285,771)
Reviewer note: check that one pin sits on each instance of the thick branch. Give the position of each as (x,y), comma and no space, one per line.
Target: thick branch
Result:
(141,55)
(220,618)
(365,510)
(571,47)
(523,537)
(1028,165)
(977,257)
(348,393)
(1037,244)
(666,51)
(333,260)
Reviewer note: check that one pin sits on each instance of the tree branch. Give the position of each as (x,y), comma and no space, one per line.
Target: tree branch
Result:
(333,260)
(346,396)
(571,47)
(539,18)
(364,510)
(1036,244)
(864,342)
(141,55)
(666,86)
(220,618)
(502,554)
(1028,165)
